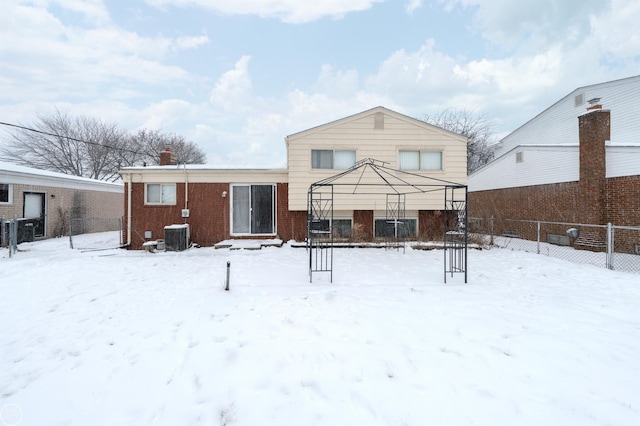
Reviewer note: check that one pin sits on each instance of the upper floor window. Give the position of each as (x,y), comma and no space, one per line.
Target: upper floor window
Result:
(6,193)
(161,193)
(420,160)
(329,159)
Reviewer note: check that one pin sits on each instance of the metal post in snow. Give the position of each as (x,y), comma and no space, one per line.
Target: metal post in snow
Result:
(13,236)
(70,232)
(491,242)
(538,237)
(226,287)
(609,246)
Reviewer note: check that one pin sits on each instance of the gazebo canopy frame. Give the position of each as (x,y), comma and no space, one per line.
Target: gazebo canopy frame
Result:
(396,185)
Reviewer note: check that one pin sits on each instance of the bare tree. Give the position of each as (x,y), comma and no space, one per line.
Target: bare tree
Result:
(149,144)
(79,146)
(86,146)
(476,127)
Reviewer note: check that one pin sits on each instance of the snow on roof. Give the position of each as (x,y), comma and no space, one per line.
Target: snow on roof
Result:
(226,167)
(19,173)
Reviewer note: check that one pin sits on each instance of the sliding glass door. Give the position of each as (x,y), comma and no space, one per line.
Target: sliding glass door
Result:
(253,209)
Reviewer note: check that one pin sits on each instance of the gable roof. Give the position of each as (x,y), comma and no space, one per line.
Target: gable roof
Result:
(575,92)
(552,125)
(360,115)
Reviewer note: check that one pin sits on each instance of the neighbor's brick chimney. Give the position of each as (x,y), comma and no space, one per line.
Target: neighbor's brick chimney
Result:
(594,129)
(167,158)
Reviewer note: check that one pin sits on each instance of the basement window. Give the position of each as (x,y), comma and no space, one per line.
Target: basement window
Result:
(341,227)
(402,228)
(160,193)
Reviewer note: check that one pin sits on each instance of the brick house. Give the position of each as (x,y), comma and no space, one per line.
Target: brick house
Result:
(49,198)
(575,162)
(223,203)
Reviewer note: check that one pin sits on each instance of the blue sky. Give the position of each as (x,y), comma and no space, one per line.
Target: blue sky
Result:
(237,76)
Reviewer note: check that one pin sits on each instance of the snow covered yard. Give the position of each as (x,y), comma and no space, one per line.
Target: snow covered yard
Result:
(137,338)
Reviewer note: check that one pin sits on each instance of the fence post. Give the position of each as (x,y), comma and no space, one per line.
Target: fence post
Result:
(538,245)
(70,232)
(491,225)
(13,236)
(610,246)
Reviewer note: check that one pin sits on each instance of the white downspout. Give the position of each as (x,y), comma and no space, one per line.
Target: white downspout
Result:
(186,187)
(129,227)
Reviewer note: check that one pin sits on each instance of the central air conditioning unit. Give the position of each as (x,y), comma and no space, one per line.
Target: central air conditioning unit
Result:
(176,237)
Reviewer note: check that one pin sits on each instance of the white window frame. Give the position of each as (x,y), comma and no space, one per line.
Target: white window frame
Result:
(421,166)
(9,195)
(162,201)
(274,208)
(334,153)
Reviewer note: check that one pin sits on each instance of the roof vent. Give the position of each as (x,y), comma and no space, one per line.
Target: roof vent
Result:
(378,121)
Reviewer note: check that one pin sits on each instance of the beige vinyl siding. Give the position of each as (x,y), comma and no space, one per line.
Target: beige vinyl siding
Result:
(358,133)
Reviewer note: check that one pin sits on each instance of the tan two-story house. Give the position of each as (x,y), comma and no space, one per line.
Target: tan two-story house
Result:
(223,203)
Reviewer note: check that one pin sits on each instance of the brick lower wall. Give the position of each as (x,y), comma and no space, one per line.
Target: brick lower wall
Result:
(559,203)
(623,199)
(430,225)
(291,225)
(209,216)
(363,224)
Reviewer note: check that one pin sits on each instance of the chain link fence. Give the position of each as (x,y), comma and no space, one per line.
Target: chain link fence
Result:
(609,246)
(95,233)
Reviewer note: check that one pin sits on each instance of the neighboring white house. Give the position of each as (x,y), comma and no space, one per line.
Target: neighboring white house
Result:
(545,149)
(50,198)
(576,162)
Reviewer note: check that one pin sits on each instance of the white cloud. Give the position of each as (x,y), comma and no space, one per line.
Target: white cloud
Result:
(188,42)
(513,75)
(290,11)
(616,31)
(412,5)
(410,76)
(233,88)
(534,23)
(38,48)
(94,11)
(337,83)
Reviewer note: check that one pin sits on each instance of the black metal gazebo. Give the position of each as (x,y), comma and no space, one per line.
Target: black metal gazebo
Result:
(372,178)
